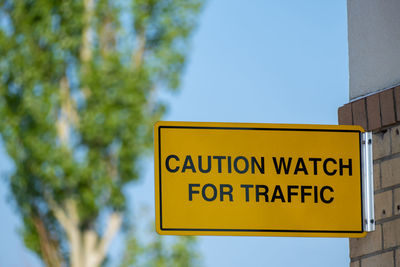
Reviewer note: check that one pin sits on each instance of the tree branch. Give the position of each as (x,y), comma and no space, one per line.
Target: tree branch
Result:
(48,246)
(86,49)
(68,115)
(89,248)
(62,122)
(113,226)
(107,37)
(137,57)
(69,220)
(59,213)
(74,234)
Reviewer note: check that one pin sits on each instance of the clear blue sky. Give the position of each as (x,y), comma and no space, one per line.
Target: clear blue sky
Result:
(252,61)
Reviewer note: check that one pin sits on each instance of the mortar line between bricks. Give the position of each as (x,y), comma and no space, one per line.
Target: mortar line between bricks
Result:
(389,219)
(393,214)
(390,141)
(395,112)
(388,188)
(375,253)
(380,109)
(380,175)
(385,128)
(382,239)
(387,157)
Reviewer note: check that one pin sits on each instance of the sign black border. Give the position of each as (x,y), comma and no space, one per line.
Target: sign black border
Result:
(256,230)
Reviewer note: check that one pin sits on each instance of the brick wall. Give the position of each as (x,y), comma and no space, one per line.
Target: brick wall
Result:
(380,113)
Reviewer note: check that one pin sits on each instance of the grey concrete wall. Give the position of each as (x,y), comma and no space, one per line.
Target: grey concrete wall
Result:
(374,45)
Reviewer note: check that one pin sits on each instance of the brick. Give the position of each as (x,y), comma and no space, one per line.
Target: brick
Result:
(396,91)
(387,107)
(390,172)
(373,112)
(370,243)
(359,113)
(383,205)
(380,260)
(391,233)
(345,116)
(381,144)
(377,176)
(396,203)
(355,264)
(395,134)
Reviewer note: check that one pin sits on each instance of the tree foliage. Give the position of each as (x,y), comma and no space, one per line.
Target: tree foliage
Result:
(160,251)
(78,83)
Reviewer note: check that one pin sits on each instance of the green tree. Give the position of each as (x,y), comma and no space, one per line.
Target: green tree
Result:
(78,83)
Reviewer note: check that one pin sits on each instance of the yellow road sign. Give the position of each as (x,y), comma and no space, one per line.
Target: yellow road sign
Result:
(258,179)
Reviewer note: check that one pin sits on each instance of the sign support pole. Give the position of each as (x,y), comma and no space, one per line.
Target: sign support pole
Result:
(368,182)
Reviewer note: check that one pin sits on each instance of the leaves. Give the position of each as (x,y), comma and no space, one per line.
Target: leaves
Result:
(74,124)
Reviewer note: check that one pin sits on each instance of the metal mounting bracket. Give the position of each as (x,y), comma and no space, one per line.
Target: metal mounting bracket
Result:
(368,182)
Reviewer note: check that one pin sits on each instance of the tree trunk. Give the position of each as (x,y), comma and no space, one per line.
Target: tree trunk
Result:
(87,248)
(48,246)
